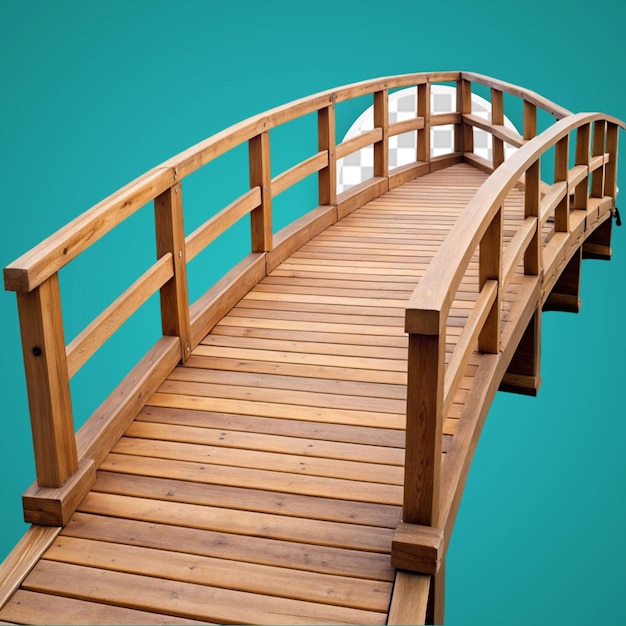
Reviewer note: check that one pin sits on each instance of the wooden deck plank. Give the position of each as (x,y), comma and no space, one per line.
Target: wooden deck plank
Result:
(248,549)
(184,599)
(28,607)
(281,482)
(226,574)
(231,497)
(255,459)
(267,443)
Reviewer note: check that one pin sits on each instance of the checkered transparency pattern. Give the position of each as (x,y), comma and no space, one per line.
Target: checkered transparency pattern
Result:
(359,166)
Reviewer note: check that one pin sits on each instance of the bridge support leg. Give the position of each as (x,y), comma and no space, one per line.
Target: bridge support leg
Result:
(522,375)
(565,295)
(598,244)
(436,596)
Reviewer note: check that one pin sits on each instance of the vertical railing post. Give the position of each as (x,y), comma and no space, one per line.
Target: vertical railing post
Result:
(47,380)
(463,133)
(170,237)
(497,118)
(530,120)
(561,170)
(260,175)
(424,428)
(610,172)
(581,192)
(533,256)
(381,120)
(597,177)
(423,110)
(326,141)
(490,268)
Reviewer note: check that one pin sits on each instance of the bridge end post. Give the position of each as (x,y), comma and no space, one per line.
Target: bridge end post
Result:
(418,543)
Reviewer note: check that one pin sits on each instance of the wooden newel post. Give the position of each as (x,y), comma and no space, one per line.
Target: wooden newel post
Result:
(48,384)
(497,117)
(561,170)
(381,120)
(532,200)
(490,268)
(581,192)
(424,429)
(530,120)
(326,141)
(463,133)
(597,178)
(170,237)
(260,176)
(610,172)
(423,110)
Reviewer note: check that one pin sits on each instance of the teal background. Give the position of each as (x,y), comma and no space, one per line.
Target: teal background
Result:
(96,93)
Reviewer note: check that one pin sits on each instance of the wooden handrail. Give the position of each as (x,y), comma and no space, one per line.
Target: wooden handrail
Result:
(35,275)
(429,396)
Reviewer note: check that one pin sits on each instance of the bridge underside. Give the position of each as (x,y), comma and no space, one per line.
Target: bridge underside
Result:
(262,483)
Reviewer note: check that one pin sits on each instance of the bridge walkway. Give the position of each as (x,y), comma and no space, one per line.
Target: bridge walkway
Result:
(263,481)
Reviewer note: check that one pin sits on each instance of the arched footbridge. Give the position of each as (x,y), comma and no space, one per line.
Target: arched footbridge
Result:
(294,447)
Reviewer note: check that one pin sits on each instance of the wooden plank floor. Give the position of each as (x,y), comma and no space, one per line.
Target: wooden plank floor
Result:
(262,483)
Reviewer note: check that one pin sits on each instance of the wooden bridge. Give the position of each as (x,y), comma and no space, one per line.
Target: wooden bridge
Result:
(294,448)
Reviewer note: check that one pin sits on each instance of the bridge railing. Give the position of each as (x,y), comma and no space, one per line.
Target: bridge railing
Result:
(582,194)
(50,363)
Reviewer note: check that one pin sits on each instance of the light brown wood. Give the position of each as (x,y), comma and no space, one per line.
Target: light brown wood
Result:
(406,126)
(45,260)
(530,120)
(424,429)
(200,238)
(205,312)
(409,599)
(298,172)
(581,188)
(266,472)
(610,172)
(463,132)
(23,558)
(381,120)
(105,426)
(326,142)
(48,506)
(87,342)
(423,111)
(490,269)
(417,548)
(170,241)
(47,381)
(500,132)
(260,176)
(353,144)
(497,119)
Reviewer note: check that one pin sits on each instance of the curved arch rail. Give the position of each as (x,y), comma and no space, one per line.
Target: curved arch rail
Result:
(557,219)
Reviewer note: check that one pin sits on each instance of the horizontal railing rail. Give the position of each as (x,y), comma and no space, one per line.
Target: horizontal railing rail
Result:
(50,363)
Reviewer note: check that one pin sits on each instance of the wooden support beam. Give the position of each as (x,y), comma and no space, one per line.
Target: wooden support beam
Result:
(170,238)
(381,120)
(523,373)
(598,150)
(326,140)
(532,202)
(417,548)
(423,110)
(47,381)
(598,244)
(497,118)
(436,596)
(424,429)
(581,190)
(561,172)
(610,170)
(530,120)
(565,295)
(490,268)
(463,133)
(260,176)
